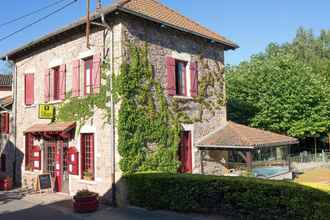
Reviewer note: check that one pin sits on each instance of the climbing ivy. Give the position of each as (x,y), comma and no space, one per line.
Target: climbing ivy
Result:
(80,109)
(149,124)
(149,133)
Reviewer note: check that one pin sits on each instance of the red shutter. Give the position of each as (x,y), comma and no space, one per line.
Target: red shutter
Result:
(82,153)
(193,79)
(5,118)
(76,78)
(28,146)
(46,86)
(91,137)
(62,79)
(2,123)
(29,89)
(96,73)
(170,68)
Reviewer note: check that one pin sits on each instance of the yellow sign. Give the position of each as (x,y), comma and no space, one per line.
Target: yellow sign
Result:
(46,111)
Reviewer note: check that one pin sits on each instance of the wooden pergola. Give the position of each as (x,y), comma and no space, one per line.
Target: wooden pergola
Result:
(243,139)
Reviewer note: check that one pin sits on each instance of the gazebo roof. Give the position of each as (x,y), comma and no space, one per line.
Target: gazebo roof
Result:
(234,135)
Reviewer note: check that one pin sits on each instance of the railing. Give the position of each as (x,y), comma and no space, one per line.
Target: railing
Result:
(306,157)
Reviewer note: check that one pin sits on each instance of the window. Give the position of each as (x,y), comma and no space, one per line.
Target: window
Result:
(88,76)
(29,89)
(56,81)
(87,156)
(28,151)
(3,159)
(180,78)
(4,122)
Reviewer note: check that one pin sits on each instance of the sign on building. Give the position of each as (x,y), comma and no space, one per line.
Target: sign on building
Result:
(46,111)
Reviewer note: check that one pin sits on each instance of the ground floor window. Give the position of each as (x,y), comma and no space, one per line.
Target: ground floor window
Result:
(87,156)
(3,162)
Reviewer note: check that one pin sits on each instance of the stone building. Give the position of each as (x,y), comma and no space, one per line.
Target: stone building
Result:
(181,52)
(7,147)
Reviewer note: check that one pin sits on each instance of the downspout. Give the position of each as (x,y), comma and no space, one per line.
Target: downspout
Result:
(113,147)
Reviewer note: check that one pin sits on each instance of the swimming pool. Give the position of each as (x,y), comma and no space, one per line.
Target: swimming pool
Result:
(269,171)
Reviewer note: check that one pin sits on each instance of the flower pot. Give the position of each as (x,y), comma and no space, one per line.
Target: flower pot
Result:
(86,204)
(6,184)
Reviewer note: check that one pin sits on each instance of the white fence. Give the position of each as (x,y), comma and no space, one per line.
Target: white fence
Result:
(306,160)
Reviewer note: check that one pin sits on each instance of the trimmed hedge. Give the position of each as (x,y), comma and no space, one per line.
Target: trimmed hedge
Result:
(248,198)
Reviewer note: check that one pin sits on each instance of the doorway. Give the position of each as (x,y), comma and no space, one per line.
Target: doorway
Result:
(56,164)
(185,152)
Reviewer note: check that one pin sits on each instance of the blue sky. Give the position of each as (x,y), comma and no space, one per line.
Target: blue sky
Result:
(251,24)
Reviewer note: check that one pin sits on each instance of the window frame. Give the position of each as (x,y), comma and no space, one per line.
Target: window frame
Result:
(91,160)
(4,129)
(88,61)
(28,151)
(184,81)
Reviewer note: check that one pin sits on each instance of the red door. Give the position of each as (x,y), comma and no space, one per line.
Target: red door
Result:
(186,153)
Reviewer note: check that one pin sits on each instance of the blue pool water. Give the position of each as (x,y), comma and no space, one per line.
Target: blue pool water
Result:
(269,171)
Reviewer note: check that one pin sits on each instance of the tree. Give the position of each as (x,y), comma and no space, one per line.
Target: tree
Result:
(285,89)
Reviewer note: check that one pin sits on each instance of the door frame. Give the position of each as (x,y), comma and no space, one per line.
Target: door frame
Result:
(57,176)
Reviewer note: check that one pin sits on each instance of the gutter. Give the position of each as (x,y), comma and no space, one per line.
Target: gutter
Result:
(106,11)
(230,46)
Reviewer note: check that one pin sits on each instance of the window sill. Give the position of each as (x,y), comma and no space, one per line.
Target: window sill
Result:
(183,97)
(91,182)
(30,106)
(34,172)
(54,102)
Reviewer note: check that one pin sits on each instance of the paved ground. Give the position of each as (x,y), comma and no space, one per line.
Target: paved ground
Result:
(317,175)
(17,206)
(318,178)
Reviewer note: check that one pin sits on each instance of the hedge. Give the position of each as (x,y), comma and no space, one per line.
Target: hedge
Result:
(244,197)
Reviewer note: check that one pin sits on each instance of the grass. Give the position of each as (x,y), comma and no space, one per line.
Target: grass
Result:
(321,186)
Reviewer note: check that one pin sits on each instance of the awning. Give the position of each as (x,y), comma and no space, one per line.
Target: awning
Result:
(6,101)
(237,136)
(62,129)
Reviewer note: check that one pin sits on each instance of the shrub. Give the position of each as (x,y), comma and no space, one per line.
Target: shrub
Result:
(244,197)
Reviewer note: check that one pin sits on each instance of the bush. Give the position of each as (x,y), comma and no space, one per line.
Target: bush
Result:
(244,197)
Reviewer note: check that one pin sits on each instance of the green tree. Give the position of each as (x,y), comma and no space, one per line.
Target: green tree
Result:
(286,88)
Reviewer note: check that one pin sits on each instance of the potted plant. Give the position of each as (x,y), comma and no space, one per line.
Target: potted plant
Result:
(6,182)
(29,167)
(85,201)
(88,175)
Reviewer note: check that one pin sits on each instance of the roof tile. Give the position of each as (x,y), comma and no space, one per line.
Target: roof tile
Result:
(234,134)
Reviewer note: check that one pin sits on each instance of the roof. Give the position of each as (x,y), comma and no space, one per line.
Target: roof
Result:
(5,79)
(148,9)
(51,127)
(6,101)
(240,136)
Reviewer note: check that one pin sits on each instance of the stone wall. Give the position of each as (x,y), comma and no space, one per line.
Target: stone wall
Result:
(164,41)
(65,52)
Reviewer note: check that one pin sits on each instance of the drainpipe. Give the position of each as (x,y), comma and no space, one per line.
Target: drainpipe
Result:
(113,147)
